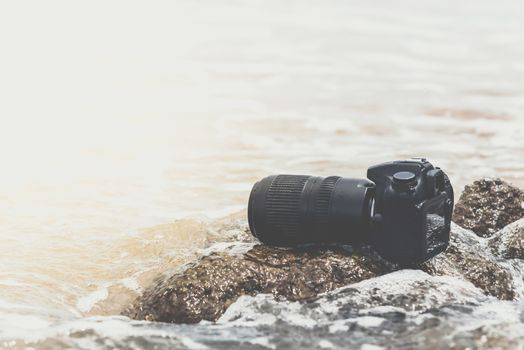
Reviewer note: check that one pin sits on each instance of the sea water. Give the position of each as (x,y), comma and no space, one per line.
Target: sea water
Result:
(128,128)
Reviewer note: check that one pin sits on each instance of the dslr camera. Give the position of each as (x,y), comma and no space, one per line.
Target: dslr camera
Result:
(402,210)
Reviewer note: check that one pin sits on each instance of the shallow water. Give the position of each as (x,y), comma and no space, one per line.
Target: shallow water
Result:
(118,119)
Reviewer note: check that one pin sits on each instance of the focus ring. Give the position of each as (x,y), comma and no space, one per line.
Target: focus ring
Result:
(283,205)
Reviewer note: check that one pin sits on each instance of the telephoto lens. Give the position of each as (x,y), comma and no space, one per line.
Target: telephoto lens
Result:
(287,210)
(403,210)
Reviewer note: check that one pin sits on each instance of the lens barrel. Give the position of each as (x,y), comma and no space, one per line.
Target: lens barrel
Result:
(286,210)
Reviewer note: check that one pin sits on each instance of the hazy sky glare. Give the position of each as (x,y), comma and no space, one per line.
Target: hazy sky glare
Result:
(77,77)
(119,91)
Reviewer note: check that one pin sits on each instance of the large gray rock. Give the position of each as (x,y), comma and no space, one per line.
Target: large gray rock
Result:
(468,256)
(406,309)
(488,205)
(508,243)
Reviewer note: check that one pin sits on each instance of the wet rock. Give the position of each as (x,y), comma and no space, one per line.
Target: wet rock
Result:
(469,257)
(229,270)
(204,290)
(405,292)
(488,205)
(508,243)
(406,308)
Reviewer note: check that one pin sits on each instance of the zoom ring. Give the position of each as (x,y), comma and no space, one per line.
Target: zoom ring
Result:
(323,202)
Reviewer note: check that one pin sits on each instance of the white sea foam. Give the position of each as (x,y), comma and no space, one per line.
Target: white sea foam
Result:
(325,344)
(338,326)
(371,347)
(86,303)
(368,321)
(263,341)
(229,247)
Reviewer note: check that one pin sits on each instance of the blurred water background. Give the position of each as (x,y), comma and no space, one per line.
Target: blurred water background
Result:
(119,118)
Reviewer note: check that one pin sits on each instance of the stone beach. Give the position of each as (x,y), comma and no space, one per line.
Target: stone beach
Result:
(483,260)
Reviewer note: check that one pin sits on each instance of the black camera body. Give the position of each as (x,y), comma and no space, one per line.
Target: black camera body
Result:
(411,219)
(403,210)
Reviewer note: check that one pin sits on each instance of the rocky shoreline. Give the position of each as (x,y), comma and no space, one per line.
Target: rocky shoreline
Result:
(483,260)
